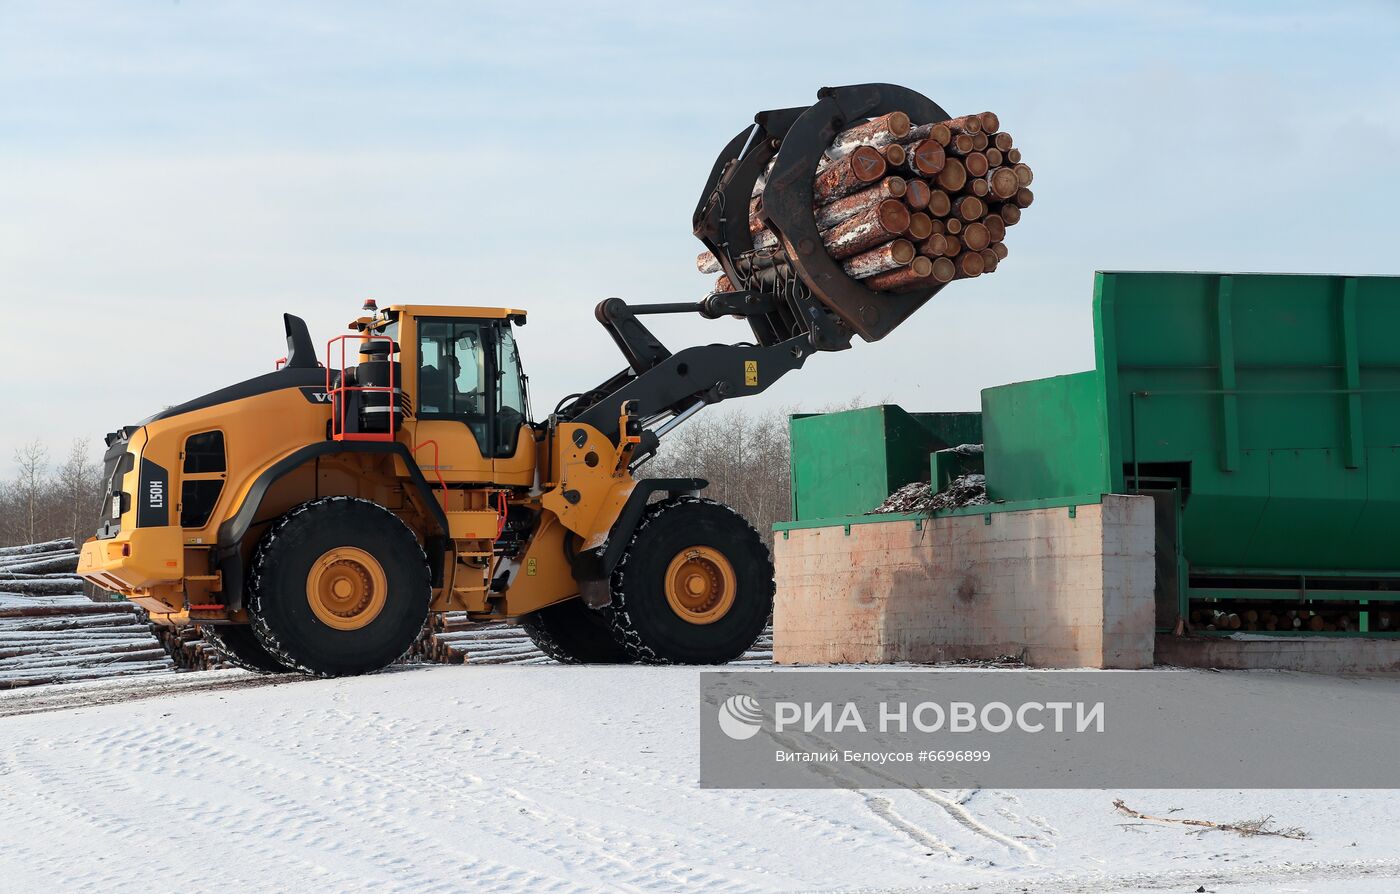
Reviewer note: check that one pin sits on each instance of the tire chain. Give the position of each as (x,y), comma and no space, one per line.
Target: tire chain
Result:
(619,621)
(260,628)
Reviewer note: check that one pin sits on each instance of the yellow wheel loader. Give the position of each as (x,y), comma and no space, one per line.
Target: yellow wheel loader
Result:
(312,517)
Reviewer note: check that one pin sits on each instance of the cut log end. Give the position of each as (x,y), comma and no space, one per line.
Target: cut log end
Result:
(1024,175)
(976,164)
(970,264)
(867,164)
(939,204)
(989,121)
(920,226)
(917,195)
(971,208)
(944,270)
(894,216)
(1002,183)
(953,176)
(976,236)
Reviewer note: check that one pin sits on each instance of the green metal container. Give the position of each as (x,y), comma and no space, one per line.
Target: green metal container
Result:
(1266,406)
(1275,398)
(847,463)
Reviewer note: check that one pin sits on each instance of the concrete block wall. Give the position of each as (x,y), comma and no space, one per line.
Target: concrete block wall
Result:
(1067,590)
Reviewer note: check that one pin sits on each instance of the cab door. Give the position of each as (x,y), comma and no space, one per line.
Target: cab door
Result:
(451,405)
(470,401)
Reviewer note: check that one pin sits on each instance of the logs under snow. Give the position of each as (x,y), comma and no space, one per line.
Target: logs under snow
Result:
(50,632)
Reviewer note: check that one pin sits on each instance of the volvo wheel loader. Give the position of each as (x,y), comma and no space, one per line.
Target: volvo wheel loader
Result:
(311,518)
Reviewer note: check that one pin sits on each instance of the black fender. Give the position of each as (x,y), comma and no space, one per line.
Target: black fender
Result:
(592,568)
(228,552)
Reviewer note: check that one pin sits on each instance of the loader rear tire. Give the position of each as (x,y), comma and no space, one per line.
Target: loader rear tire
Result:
(237,645)
(694,586)
(572,633)
(339,586)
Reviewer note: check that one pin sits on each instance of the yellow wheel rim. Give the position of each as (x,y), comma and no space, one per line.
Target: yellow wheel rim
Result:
(346,588)
(700,585)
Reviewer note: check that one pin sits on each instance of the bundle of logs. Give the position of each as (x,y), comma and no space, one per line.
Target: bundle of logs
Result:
(906,207)
(51,632)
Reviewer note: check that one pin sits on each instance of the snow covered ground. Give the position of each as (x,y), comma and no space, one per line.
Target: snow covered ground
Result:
(562,779)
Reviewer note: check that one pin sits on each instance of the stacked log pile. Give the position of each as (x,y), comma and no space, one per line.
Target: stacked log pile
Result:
(904,207)
(1255,616)
(188,649)
(50,632)
(455,639)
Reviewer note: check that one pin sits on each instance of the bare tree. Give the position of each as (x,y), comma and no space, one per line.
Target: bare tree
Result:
(28,489)
(744,456)
(79,488)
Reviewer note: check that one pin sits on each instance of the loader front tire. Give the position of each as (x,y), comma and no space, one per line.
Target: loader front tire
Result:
(237,645)
(694,586)
(572,633)
(339,586)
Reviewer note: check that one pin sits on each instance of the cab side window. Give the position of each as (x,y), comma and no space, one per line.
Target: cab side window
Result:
(511,409)
(452,375)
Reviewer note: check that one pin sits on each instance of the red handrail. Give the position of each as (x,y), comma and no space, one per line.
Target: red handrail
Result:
(336,394)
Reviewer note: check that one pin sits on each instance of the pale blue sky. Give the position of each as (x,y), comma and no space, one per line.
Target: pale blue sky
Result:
(175,175)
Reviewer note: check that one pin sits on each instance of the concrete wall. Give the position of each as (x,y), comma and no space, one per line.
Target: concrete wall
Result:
(1068,591)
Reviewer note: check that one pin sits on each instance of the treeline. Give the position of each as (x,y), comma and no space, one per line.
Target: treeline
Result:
(743,455)
(49,498)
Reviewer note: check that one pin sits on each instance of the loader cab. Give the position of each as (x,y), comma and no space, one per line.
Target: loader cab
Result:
(467,393)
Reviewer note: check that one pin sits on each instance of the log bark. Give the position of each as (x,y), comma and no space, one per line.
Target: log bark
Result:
(844,209)
(938,132)
(707,263)
(968,124)
(866,230)
(918,271)
(851,173)
(889,256)
(876,133)
(29,549)
(961,144)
